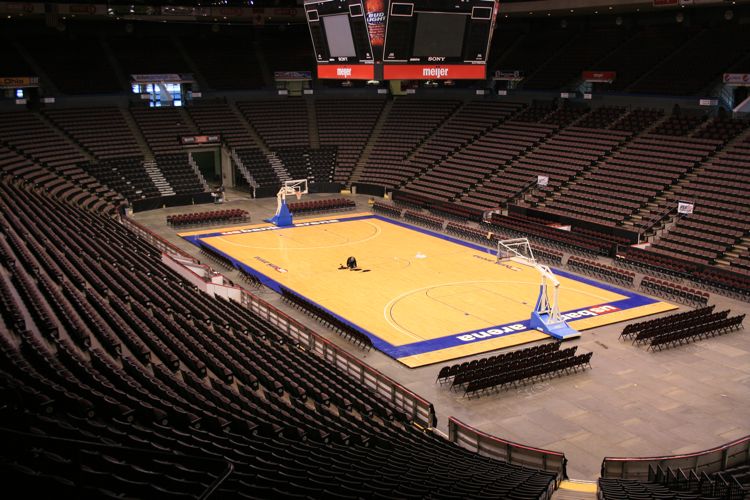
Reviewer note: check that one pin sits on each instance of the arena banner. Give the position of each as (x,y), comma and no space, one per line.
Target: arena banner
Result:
(434,72)
(82,9)
(375,17)
(21,8)
(666,3)
(346,71)
(199,140)
(598,76)
(292,76)
(737,79)
(162,78)
(514,75)
(18,82)
(685,207)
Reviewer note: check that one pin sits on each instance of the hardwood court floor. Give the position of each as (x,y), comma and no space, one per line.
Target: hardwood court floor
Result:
(423,297)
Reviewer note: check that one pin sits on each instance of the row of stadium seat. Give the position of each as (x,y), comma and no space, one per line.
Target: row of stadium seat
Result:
(698,332)
(682,328)
(212,217)
(634,328)
(673,291)
(325,205)
(601,271)
(460,373)
(424,219)
(546,368)
(328,319)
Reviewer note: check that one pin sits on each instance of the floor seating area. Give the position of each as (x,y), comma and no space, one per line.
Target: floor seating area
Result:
(387,209)
(663,321)
(464,370)
(423,219)
(120,355)
(512,369)
(230,216)
(724,281)
(318,206)
(329,320)
(673,291)
(682,328)
(601,271)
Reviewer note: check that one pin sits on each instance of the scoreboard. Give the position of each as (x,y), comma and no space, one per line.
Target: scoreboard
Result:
(341,39)
(438,39)
(401,39)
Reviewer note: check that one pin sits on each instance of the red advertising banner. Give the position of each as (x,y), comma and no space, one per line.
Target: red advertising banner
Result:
(197,140)
(434,72)
(599,76)
(737,78)
(346,71)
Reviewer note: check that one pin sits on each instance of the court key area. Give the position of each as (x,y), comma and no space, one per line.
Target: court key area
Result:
(421,296)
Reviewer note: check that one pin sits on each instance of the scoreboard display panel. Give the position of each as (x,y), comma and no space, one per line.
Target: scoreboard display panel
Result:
(438,39)
(341,39)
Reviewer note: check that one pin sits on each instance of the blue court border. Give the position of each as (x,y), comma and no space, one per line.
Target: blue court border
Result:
(631,301)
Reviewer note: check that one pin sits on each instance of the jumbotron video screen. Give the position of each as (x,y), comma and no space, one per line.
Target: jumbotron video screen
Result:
(401,40)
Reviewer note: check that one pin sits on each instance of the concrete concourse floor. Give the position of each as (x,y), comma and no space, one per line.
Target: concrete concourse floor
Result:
(633,402)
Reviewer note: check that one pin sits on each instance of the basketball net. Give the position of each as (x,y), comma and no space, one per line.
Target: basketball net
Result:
(298,194)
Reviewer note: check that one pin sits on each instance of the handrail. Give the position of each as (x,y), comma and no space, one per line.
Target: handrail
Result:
(421,411)
(711,460)
(488,445)
(649,223)
(153,238)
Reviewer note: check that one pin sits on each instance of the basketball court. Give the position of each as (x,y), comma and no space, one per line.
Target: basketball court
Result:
(421,296)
